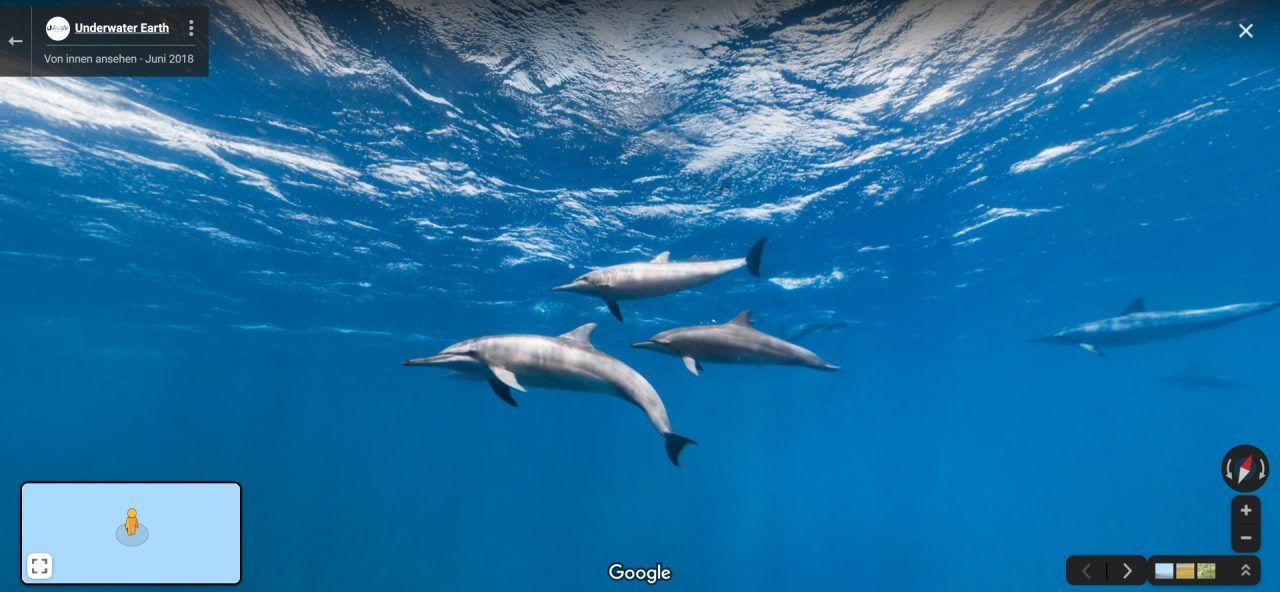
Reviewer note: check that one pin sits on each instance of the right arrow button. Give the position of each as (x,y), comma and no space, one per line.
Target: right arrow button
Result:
(1128,570)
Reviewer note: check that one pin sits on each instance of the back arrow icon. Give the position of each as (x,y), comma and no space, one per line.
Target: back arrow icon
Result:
(13,41)
(1085,571)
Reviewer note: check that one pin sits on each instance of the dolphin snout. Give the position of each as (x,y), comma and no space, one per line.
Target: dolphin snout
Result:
(430,361)
(578,285)
(654,346)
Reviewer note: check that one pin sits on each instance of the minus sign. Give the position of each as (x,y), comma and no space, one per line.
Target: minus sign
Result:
(1246,538)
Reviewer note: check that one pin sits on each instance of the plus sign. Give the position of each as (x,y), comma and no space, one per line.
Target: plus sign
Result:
(1246,510)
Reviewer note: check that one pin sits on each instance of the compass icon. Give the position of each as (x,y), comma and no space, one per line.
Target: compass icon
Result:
(1245,468)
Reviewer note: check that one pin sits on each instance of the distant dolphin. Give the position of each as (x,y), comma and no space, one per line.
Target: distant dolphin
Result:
(656,277)
(1135,325)
(735,342)
(798,332)
(568,362)
(1191,378)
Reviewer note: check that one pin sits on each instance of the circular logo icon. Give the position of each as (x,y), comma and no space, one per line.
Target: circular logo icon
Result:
(57,28)
(1245,468)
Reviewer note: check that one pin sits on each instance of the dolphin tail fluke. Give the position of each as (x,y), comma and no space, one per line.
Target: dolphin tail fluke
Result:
(615,309)
(754,255)
(676,443)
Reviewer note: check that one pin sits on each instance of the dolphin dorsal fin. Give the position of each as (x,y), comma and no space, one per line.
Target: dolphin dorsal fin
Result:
(1139,305)
(742,320)
(662,257)
(581,334)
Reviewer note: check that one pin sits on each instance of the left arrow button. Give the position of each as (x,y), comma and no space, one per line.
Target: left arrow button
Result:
(1086,570)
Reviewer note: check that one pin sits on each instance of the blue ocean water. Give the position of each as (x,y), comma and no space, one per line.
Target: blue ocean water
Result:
(217,279)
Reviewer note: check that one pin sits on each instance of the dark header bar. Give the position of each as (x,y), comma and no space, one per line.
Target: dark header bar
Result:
(152,41)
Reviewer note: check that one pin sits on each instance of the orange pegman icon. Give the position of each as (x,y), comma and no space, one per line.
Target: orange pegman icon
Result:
(131,523)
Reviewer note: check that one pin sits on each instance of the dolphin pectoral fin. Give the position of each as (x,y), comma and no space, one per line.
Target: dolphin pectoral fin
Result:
(615,309)
(506,377)
(503,391)
(1093,349)
(676,443)
(692,365)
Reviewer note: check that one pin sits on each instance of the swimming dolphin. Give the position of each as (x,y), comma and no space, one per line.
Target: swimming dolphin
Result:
(568,362)
(798,332)
(1136,325)
(1193,378)
(656,277)
(734,342)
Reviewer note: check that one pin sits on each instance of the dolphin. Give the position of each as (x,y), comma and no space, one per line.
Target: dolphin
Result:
(1193,378)
(734,342)
(657,277)
(567,362)
(1137,325)
(798,332)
